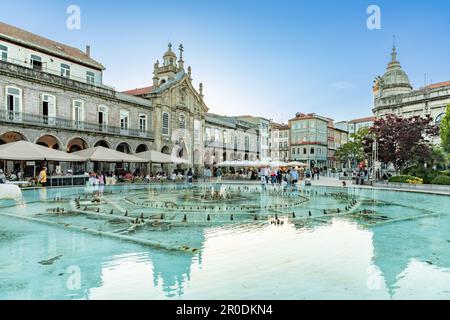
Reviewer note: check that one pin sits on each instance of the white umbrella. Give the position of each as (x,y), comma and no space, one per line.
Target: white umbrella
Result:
(225,164)
(102,154)
(159,157)
(24,150)
(277,164)
(296,164)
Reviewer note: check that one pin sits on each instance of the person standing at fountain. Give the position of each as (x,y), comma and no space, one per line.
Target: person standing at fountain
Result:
(189,176)
(294,177)
(42,178)
(2,177)
(219,175)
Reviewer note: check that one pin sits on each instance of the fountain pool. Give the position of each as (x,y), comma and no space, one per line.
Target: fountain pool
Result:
(224,241)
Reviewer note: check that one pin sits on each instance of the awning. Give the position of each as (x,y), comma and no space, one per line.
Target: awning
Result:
(24,150)
(102,154)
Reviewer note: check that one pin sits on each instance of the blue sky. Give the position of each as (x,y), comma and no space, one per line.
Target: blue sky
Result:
(267,58)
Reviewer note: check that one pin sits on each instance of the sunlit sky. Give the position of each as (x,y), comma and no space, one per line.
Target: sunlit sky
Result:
(266,58)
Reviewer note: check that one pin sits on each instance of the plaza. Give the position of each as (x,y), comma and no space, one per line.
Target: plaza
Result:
(275,171)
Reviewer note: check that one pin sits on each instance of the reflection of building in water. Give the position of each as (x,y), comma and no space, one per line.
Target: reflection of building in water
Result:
(172,270)
(396,244)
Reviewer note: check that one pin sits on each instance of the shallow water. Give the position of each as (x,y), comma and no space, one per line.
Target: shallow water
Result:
(386,245)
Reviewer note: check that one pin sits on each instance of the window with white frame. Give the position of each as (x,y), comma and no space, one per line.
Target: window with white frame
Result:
(165,123)
(142,123)
(36,62)
(65,70)
(3,53)
(90,77)
(182,121)
(216,135)
(103,115)
(124,120)
(78,113)
(13,103)
(207,134)
(48,108)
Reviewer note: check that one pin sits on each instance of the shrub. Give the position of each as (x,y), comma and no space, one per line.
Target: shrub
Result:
(442,180)
(426,174)
(402,178)
(445,173)
(415,181)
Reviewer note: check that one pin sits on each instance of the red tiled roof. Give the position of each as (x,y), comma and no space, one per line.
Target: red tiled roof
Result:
(139,91)
(22,37)
(438,85)
(366,119)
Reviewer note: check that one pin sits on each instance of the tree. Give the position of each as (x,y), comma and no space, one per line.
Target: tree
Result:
(445,130)
(354,150)
(403,141)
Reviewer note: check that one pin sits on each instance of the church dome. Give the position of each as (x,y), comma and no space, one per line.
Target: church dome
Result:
(170,53)
(395,80)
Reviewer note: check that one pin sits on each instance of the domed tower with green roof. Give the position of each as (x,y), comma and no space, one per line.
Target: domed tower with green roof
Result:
(389,88)
(395,80)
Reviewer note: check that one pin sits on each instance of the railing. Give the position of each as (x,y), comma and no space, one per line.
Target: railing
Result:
(26,69)
(60,123)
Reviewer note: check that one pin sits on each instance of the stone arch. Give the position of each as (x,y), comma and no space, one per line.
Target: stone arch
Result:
(102,143)
(123,147)
(246,156)
(12,136)
(224,156)
(76,144)
(141,148)
(49,141)
(165,150)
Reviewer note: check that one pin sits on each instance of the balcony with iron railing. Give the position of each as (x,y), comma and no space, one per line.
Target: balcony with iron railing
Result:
(42,73)
(17,118)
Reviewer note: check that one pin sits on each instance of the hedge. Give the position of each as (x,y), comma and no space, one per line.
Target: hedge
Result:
(443,180)
(402,179)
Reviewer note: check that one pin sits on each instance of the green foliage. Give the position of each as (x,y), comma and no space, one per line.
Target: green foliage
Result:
(354,149)
(445,173)
(443,180)
(402,178)
(445,130)
(427,174)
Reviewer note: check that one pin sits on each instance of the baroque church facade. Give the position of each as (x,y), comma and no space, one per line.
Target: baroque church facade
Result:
(394,94)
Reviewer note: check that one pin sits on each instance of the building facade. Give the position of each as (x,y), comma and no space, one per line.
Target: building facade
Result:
(309,139)
(279,142)
(53,95)
(262,125)
(393,93)
(229,139)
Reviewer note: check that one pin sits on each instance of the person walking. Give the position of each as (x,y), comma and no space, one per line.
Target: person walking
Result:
(42,178)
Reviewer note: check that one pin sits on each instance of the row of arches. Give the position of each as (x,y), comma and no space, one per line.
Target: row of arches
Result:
(73,145)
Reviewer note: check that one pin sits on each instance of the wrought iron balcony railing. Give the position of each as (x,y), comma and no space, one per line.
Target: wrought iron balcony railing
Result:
(60,123)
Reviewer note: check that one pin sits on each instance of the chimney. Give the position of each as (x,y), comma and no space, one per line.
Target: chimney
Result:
(88,51)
